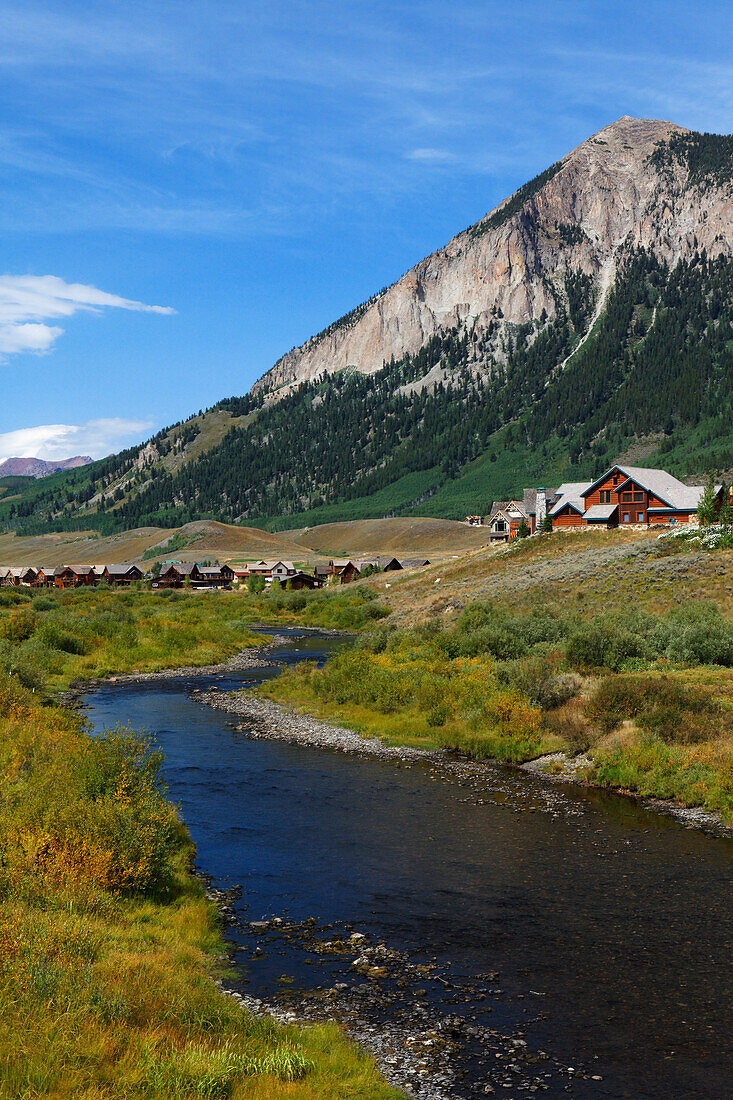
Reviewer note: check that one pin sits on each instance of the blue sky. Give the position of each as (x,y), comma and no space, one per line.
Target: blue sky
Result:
(189,188)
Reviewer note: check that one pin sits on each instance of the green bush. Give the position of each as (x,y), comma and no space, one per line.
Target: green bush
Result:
(53,634)
(539,679)
(606,643)
(44,603)
(660,705)
(11,597)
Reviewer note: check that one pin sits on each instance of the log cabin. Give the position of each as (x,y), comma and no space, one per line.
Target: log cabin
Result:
(301,580)
(122,575)
(178,574)
(627,496)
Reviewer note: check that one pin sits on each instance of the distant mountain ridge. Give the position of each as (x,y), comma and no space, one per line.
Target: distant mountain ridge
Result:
(39,467)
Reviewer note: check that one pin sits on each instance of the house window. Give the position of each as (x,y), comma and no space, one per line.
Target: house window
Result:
(500,525)
(626,517)
(638,497)
(627,498)
(639,517)
(605,496)
(615,479)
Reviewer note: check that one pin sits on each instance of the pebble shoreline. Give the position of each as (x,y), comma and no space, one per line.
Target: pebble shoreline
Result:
(266,720)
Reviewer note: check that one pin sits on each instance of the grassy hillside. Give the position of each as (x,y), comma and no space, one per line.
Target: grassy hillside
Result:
(612,649)
(208,540)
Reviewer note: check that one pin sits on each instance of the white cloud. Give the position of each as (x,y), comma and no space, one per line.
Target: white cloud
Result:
(429,155)
(55,441)
(28,301)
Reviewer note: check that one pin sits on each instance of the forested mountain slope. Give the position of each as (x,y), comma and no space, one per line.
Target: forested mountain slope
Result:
(588,316)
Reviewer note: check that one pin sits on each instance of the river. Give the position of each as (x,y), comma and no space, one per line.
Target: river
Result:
(598,932)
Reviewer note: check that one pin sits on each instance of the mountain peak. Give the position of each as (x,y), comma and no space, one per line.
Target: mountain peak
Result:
(613,191)
(39,467)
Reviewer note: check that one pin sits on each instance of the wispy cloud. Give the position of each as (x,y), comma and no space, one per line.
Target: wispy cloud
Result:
(431,156)
(96,438)
(27,302)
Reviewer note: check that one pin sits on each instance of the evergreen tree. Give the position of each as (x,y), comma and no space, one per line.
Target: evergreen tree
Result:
(706,509)
(726,509)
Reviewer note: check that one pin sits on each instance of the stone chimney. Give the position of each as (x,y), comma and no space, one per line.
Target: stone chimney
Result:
(540,509)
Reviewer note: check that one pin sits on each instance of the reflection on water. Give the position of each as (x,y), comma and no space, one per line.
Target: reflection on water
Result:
(611,927)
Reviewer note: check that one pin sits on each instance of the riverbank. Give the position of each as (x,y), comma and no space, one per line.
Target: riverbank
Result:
(265,719)
(108,946)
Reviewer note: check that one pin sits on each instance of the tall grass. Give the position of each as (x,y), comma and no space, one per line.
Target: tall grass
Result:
(512,685)
(107,944)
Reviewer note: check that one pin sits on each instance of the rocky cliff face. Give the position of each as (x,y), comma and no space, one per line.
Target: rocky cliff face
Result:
(583,215)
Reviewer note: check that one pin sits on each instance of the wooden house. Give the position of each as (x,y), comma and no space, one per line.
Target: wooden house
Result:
(216,576)
(122,575)
(344,569)
(45,577)
(301,580)
(627,496)
(321,574)
(16,576)
(273,571)
(178,574)
(414,563)
(505,520)
(83,576)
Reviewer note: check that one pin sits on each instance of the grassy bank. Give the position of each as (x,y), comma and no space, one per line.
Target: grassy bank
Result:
(53,638)
(107,944)
(646,698)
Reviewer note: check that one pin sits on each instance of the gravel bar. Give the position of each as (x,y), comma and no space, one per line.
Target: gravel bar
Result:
(265,720)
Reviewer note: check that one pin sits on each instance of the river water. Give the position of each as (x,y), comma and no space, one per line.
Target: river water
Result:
(598,931)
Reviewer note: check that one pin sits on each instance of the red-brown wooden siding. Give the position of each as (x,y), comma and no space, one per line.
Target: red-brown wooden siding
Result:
(567,518)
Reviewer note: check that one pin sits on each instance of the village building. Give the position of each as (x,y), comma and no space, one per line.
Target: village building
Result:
(74,576)
(344,570)
(45,577)
(15,577)
(624,496)
(505,519)
(272,571)
(321,574)
(627,496)
(122,575)
(178,574)
(216,576)
(301,580)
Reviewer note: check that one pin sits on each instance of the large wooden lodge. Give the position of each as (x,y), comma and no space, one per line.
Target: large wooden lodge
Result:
(624,496)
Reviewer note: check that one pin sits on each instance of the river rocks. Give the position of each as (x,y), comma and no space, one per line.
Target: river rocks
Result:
(267,720)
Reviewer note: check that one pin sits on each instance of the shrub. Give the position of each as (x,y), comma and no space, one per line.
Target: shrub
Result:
(43,603)
(539,678)
(52,634)
(87,812)
(659,705)
(19,625)
(11,597)
(606,643)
